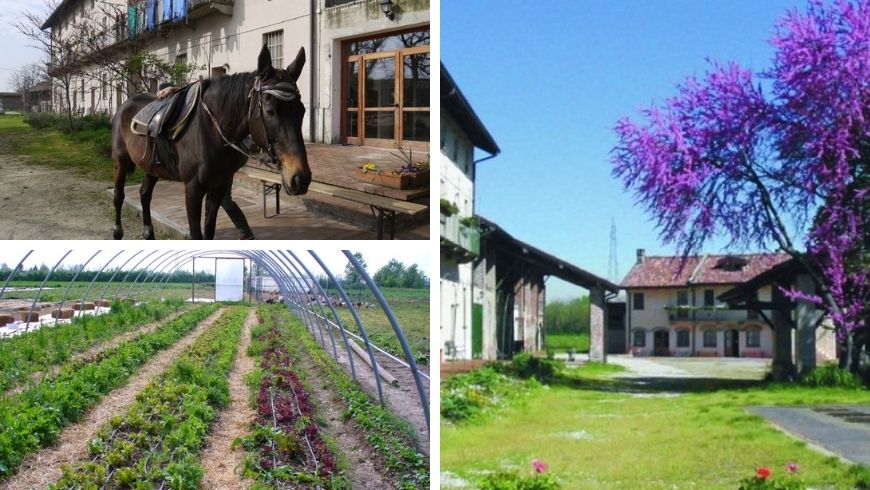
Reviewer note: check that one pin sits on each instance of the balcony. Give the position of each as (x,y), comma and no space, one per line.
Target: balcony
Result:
(459,241)
(200,8)
(685,313)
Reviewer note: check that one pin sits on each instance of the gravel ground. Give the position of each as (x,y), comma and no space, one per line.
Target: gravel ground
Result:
(41,203)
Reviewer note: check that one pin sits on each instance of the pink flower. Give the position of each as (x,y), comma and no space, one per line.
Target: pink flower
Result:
(763,473)
(792,467)
(539,466)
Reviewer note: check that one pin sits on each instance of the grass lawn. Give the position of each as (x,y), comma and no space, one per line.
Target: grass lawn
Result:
(411,307)
(563,342)
(85,152)
(593,436)
(54,290)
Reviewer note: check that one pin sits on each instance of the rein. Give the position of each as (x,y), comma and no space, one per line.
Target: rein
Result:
(283,91)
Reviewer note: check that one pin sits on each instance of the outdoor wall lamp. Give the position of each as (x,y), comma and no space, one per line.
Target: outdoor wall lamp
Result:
(387,9)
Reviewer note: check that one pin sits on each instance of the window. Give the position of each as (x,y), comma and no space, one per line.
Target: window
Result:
(753,338)
(710,338)
(709,297)
(637,300)
(682,305)
(275,42)
(639,339)
(682,338)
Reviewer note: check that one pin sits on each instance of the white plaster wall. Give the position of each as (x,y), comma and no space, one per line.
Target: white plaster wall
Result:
(357,19)
(455,307)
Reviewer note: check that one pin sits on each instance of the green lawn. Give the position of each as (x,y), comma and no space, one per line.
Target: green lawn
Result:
(593,436)
(563,342)
(85,152)
(411,307)
(55,290)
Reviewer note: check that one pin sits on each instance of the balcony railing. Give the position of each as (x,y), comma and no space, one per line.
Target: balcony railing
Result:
(461,239)
(682,313)
(201,8)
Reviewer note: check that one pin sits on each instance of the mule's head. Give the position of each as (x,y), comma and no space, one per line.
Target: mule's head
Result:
(281,112)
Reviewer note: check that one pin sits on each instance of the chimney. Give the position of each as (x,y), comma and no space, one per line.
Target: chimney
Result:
(640,255)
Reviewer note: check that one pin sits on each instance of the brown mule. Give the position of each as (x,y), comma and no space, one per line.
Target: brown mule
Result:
(265,104)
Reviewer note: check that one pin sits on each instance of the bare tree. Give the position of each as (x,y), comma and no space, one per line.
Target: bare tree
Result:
(62,58)
(100,46)
(27,77)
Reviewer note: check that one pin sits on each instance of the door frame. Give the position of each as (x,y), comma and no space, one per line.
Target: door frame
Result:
(398,108)
(732,348)
(662,350)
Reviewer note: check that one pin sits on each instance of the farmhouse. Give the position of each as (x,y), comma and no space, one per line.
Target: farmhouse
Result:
(493,290)
(673,310)
(366,81)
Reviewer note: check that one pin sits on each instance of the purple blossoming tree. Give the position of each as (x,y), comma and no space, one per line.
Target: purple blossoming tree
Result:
(724,156)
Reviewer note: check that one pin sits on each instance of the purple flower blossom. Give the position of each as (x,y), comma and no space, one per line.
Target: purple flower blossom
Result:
(539,466)
(724,157)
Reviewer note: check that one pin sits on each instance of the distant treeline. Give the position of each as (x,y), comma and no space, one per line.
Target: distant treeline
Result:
(567,316)
(66,273)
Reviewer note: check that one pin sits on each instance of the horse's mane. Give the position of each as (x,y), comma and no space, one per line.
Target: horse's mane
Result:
(231,92)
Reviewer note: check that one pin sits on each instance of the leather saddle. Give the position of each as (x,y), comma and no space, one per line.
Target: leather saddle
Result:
(167,117)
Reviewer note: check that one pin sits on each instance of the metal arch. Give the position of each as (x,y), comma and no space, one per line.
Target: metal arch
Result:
(359,324)
(94,280)
(142,271)
(39,293)
(14,271)
(132,269)
(334,312)
(320,325)
(175,265)
(69,286)
(103,294)
(302,312)
(396,328)
(165,260)
(320,319)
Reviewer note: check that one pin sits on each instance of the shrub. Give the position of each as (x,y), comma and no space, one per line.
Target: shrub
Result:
(465,395)
(831,375)
(514,481)
(525,365)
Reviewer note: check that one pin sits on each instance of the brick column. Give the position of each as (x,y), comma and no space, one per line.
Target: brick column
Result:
(597,327)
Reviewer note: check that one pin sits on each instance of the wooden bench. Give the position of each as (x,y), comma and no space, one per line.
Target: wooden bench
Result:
(383,208)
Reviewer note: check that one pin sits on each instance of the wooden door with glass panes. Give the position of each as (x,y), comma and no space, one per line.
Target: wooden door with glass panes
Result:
(386,90)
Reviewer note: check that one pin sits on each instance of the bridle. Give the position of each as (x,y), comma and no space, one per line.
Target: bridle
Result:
(284,91)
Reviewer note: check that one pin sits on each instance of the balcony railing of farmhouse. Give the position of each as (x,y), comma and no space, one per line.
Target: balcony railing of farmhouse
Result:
(461,236)
(680,313)
(337,3)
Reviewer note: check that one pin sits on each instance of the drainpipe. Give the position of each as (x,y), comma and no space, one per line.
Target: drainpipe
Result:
(312,122)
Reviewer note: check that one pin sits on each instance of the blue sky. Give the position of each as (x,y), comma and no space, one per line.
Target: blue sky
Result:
(550,79)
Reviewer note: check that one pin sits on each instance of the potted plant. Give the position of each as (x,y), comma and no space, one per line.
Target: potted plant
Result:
(372,172)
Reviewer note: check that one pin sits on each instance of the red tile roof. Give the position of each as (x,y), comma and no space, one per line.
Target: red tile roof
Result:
(657,272)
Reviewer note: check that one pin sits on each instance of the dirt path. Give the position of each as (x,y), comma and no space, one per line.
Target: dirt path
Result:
(222,464)
(44,467)
(363,473)
(402,400)
(38,202)
(94,351)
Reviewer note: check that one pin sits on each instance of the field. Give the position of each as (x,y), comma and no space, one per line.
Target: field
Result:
(54,290)
(602,433)
(411,307)
(195,396)
(564,342)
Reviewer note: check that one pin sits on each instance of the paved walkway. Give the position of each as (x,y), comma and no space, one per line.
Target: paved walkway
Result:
(843,430)
(691,367)
(295,222)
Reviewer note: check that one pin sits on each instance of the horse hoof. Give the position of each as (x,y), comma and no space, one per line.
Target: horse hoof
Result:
(148,233)
(119,233)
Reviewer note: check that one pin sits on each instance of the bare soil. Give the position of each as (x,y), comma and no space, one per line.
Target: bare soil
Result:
(364,472)
(41,203)
(402,400)
(96,350)
(223,465)
(44,467)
